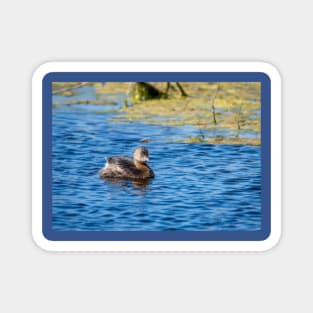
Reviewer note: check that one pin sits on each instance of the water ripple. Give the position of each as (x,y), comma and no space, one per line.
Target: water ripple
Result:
(197,186)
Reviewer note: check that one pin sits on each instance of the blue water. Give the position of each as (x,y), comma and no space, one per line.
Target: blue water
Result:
(196,187)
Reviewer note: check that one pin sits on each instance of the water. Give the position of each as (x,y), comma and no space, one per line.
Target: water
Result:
(196,187)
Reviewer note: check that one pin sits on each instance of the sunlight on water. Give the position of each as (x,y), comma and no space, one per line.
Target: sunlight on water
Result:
(197,186)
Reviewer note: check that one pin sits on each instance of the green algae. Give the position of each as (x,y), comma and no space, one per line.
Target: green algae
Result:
(230,107)
(236,108)
(222,140)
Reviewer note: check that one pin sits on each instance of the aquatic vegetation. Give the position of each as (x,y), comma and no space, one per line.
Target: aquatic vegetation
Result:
(87,101)
(231,107)
(236,108)
(67,88)
(222,140)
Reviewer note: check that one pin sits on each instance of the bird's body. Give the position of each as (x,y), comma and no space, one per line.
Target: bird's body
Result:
(125,167)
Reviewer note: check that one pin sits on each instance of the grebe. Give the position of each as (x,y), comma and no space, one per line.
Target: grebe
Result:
(125,167)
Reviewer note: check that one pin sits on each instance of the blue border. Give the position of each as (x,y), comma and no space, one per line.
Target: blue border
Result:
(263,234)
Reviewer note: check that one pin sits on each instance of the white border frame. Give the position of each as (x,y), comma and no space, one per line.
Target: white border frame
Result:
(46,68)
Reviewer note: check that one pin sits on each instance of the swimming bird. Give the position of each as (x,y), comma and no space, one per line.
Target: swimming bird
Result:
(128,168)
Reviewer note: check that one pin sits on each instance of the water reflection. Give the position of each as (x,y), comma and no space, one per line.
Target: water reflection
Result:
(140,183)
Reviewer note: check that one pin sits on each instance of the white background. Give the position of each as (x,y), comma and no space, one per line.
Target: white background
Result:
(33,32)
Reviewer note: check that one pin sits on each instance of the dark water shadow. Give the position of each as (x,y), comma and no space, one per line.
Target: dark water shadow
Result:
(140,184)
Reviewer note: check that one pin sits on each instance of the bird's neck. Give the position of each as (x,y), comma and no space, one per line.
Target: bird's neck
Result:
(141,165)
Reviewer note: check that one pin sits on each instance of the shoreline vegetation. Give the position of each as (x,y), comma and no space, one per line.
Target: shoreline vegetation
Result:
(223,112)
